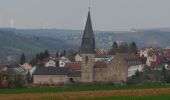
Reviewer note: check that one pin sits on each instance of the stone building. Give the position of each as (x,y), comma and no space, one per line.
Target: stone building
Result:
(116,69)
(54,75)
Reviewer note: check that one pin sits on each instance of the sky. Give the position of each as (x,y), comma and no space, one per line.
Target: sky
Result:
(107,15)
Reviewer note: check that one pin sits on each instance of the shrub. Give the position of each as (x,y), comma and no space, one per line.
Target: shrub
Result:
(11,79)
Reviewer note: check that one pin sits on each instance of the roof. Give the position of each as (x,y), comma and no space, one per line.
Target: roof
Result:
(77,65)
(131,59)
(74,65)
(26,66)
(88,40)
(56,71)
(100,64)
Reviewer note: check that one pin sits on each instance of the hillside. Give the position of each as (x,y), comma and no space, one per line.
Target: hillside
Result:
(143,38)
(13,44)
(15,41)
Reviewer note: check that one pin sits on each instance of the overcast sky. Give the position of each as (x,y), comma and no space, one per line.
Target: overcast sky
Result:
(108,15)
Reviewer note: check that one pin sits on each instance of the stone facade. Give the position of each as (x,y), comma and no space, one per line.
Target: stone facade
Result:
(116,70)
(87,69)
(50,79)
(55,75)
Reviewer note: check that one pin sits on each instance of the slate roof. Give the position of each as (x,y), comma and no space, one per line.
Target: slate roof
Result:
(56,71)
(88,40)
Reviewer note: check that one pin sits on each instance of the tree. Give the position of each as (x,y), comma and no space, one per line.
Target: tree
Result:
(11,79)
(114,48)
(57,54)
(33,62)
(123,48)
(37,57)
(64,52)
(133,48)
(164,73)
(22,59)
(61,54)
(41,55)
(46,54)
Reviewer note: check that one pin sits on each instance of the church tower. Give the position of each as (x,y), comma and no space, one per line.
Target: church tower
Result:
(88,52)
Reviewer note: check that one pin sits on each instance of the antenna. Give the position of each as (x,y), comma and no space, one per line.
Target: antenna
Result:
(89,5)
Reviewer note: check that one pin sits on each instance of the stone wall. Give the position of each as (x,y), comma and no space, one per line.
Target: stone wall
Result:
(50,79)
(116,70)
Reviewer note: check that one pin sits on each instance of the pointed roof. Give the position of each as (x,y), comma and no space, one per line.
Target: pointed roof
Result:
(88,40)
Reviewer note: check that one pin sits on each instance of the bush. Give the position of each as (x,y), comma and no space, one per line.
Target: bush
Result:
(11,80)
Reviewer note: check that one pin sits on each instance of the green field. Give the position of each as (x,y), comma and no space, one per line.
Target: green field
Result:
(80,88)
(161,97)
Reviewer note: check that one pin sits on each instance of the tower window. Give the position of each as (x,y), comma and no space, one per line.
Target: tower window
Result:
(86,59)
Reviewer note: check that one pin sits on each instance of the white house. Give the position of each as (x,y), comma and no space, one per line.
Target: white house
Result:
(63,60)
(151,59)
(50,63)
(133,68)
(78,57)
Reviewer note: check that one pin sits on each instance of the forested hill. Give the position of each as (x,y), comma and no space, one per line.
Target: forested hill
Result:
(152,37)
(13,44)
(30,41)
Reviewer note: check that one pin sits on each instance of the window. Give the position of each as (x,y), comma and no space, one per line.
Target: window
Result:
(86,59)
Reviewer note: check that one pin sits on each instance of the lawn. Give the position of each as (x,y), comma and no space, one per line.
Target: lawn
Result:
(80,88)
(133,92)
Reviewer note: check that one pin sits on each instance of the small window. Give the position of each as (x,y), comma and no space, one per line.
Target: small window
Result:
(86,59)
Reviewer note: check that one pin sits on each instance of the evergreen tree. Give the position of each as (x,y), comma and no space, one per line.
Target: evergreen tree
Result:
(133,48)
(164,73)
(22,59)
(46,54)
(37,57)
(123,48)
(57,54)
(114,48)
(61,54)
(64,53)
(41,55)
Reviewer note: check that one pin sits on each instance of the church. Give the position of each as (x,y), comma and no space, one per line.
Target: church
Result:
(113,70)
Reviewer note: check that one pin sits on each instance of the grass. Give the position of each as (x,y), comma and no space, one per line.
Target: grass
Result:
(80,88)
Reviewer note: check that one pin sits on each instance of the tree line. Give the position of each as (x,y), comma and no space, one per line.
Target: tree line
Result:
(123,48)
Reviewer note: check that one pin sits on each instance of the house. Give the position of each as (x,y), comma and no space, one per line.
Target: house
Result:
(26,66)
(17,69)
(63,60)
(54,75)
(3,68)
(50,63)
(134,65)
(78,57)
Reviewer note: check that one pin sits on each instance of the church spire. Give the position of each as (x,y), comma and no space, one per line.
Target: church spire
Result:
(88,40)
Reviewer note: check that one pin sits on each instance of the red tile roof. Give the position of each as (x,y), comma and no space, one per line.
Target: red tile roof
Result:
(74,65)
(77,65)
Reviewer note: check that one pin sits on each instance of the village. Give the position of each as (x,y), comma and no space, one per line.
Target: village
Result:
(122,64)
